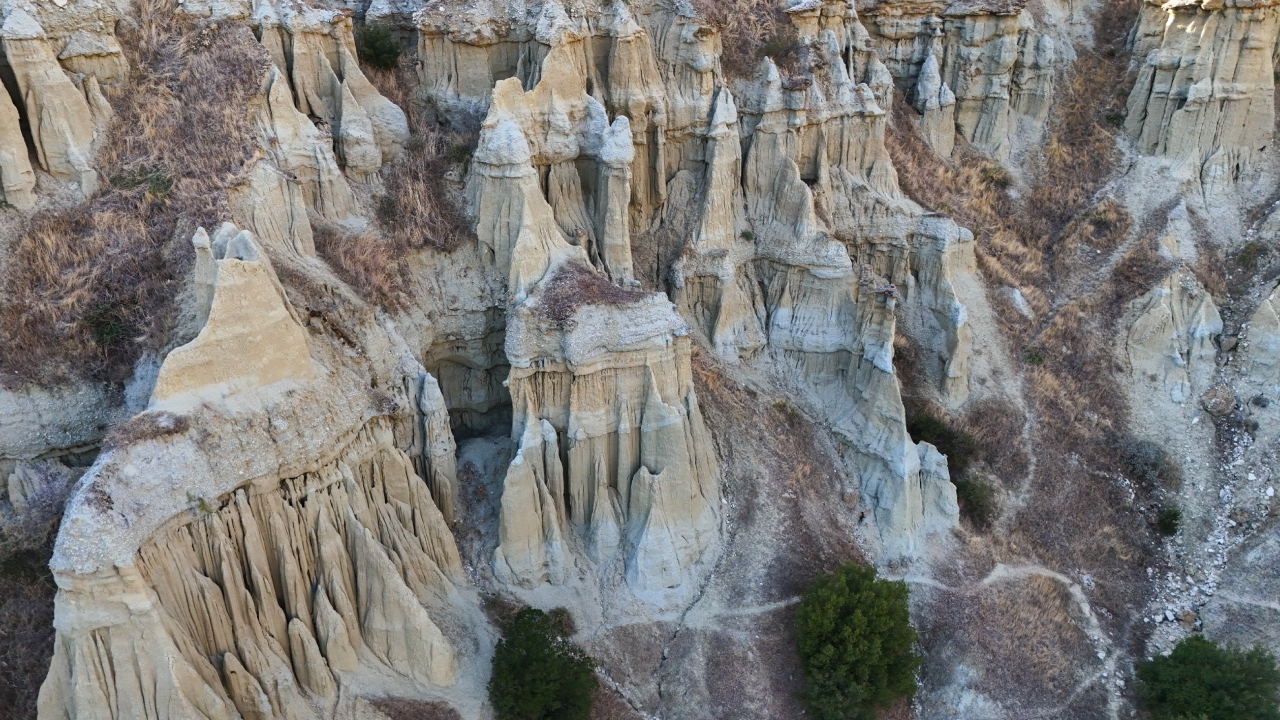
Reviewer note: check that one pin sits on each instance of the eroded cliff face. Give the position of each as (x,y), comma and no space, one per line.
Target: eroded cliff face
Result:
(989,61)
(246,547)
(1205,92)
(659,379)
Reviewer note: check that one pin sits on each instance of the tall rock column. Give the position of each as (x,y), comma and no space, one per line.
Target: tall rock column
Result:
(62,125)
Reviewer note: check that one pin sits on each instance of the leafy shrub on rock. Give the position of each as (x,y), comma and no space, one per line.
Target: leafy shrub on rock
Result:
(538,673)
(854,637)
(1201,681)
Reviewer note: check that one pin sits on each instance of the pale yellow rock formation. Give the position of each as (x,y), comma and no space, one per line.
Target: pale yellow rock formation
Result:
(531,549)
(274,206)
(605,374)
(296,146)
(62,126)
(1206,86)
(242,559)
(251,337)
(317,46)
(17,180)
(936,104)
(95,54)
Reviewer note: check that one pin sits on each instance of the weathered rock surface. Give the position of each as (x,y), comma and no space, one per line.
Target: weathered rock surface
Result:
(58,113)
(995,63)
(1206,85)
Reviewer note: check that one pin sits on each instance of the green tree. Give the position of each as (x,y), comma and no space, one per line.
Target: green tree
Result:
(375,45)
(1201,681)
(854,636)
(537,673)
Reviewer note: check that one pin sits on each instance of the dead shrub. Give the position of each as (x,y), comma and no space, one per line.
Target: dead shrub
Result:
(416,212)
(26,641)
(996,426)
(1149,465)
(146,426)
(88,289)
(575,285)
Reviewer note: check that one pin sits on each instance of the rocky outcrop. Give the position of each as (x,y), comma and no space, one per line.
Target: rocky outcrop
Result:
(246,316)
(1170,344)
(604,374)
(247,543)
(17,181)
(1206,87)
(58,113)
(937,107)
(999,67)
(612,456)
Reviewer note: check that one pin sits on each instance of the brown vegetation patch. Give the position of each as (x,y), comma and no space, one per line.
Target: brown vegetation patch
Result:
(996,427)
(607,704)
(146,426)
(1045,244)
(87,289)
(1029,632)
(574,285)
(406,709)
(417,212)
(367,261)
(751,30)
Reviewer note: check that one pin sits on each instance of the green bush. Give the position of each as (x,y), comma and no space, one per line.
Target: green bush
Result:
(977,502)
(376,46)
(538,673)
(1200,680)
(1169,520)
(854,637)
(959,446)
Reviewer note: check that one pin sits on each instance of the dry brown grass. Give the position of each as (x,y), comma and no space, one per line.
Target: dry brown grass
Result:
(749,31)
(26,640)
(406,709)
(608,705)
(416,212)
(89,288)
(146,426)
(575,285)
(369,262)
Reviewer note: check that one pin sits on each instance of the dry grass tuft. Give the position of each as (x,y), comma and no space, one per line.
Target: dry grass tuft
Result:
(89,288)
(416,212)
(26,641)
(370,263)
(575,285)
